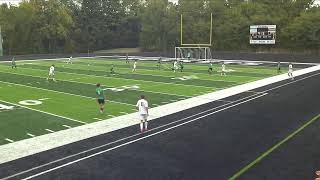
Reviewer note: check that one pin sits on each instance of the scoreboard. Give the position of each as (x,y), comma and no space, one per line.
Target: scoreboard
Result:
(263,34)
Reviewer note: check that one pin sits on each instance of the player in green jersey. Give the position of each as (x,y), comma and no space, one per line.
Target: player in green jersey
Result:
(210,68)
(100,97)
(112,70)
(181,66)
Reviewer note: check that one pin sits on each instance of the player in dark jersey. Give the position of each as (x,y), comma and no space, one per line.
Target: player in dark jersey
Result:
(210,68)
(13,63)
(100,97)
(181,66)
(112,71)
(279,67)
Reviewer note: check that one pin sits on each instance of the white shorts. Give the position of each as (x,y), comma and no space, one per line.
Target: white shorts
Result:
(51,73)
(143,117)
(290,71)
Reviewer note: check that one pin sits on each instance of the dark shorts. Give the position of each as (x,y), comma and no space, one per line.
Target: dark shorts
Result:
(210,69)
(101,101)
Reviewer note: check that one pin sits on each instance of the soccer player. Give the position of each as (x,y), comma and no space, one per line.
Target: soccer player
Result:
(279,67)
(51,73)
(134,66)
(290,71)
(142,107)
(112,70)
(159,63)
(13,63)
(69,60)
(210,68)
(100,97)
(127,58)
(175,67)
(181,66)
(189,55)
(223,69)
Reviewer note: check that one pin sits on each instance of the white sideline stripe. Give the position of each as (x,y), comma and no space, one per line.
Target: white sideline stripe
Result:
(39,144)
(98,119)
(139,139)
(123,112)
(42,112)
(49,130)
(66,126)
(119,140)
(9,140)
(31,135)
(61,92)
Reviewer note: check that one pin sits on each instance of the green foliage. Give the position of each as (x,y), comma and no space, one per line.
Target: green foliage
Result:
(58,26)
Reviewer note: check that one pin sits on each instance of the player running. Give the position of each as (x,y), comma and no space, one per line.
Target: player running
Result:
(223,69)
(142,107)
(134,66)
(210,68)
(127,58)
(279,67)
(51,73)
(100,97)
(159,63)
(181,66)
(175,66)
(13,63)
(290,71)
(69,60)
(112,71)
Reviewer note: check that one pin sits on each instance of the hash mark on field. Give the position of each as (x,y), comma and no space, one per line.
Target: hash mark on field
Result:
(31,135)
(9,140)
(49,130)
(98,119)
(66,126)
(111,116)
(172,100)
(43,99)
(123,113)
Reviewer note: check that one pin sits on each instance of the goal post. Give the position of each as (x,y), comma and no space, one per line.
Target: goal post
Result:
(193,53)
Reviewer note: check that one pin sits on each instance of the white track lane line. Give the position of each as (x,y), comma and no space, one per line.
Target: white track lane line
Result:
(139,139)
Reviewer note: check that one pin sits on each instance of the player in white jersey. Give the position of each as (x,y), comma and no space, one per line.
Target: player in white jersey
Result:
(51,73)
(290,71)
(69,60)
(175,66)
(142,107)
(134,66)
(223,69)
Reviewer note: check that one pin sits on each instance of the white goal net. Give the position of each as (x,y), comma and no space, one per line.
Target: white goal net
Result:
(193,53)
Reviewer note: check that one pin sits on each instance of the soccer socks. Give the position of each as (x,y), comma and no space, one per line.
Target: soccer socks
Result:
(141,127)
(146,126)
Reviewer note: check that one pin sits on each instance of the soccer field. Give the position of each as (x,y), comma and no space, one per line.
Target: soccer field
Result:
(31,106)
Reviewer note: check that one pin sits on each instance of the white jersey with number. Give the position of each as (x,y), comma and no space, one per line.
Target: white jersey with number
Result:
(223,67)
(51,70)
(135,65)
(142,105)
(175,65)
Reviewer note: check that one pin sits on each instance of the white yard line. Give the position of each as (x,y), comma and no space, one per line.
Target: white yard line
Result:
(40,143)
(9,140)
(49,130)
(63,93)
(31,135)
(98,119)
(43,112)
(66,126)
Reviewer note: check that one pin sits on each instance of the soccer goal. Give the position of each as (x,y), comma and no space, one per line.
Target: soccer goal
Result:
(193,53)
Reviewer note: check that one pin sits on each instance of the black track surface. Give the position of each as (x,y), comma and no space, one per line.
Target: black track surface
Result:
(214,147)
